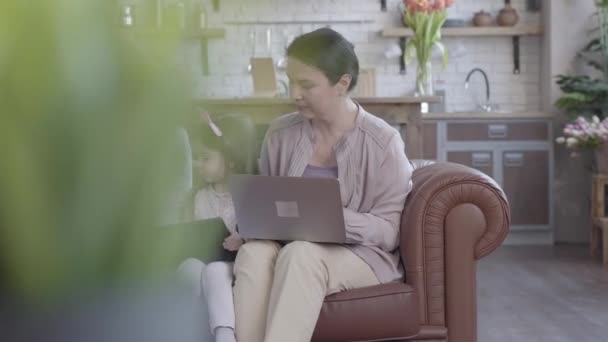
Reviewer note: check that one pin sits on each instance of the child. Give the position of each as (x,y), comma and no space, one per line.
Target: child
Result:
(220,148)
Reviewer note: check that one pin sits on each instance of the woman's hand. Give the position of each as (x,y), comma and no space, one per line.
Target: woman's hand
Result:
(233,242)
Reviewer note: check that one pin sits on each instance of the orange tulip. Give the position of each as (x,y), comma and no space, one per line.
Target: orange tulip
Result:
(418,5)
(414,6)
(439,5)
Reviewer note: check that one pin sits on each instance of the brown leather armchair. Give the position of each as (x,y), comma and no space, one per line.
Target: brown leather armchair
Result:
(453,217)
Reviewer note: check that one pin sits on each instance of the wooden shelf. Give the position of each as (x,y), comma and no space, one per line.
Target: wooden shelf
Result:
(515,32)
(471,31)
(209,33)
(292,22)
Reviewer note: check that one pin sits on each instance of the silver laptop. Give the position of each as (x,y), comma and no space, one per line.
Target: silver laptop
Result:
(288,208)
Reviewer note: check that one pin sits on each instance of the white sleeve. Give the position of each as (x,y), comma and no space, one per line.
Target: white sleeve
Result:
(202,206)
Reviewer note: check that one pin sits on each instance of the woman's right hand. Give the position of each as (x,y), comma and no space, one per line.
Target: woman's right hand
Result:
(233,242)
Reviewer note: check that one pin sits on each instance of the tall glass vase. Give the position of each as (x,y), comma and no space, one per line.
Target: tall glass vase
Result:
(424,79)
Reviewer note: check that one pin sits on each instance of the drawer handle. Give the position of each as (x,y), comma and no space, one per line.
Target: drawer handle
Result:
(514,159)
(481,159)
(497,131)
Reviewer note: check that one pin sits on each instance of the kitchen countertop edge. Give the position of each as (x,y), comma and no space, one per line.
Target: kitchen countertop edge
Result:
(285,100)
(482,115)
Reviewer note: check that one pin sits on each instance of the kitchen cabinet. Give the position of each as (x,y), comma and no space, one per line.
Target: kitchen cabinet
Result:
(526,183)
(516,153)
(479,160)
(429,145)
(497,131)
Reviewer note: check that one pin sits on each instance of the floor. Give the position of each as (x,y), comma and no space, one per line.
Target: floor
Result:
(542,294)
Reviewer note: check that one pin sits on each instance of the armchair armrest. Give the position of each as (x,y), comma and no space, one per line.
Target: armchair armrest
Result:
(453,216)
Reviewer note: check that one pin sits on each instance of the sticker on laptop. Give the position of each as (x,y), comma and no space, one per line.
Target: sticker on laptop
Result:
(287,209)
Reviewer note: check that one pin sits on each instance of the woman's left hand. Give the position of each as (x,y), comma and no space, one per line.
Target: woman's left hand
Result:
(233,242)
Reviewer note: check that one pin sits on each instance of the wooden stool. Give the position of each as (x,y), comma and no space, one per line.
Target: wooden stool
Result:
(598,205)
(600,223)
(598,191)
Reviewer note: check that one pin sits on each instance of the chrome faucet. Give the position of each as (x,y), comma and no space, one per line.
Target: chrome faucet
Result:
(486,107)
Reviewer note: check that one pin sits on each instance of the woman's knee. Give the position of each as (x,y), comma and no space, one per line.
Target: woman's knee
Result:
(256,252)
(302,257)
(300,251)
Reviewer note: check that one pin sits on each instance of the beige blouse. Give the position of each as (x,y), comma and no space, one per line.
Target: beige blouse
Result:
(374,175)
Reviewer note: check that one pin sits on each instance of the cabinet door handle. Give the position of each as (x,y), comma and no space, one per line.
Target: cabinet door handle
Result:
(514,159)
(497,131)
(481,159)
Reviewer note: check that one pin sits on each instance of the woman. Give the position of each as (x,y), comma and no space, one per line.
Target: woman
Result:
(279,290)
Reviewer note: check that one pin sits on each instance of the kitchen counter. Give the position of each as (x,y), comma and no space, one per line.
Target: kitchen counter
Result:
(286,101)
(403,113)
(485,115)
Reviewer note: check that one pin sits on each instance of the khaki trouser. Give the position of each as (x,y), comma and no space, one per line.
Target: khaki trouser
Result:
(279,292)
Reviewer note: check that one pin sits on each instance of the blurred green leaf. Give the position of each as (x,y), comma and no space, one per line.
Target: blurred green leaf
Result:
(87,147)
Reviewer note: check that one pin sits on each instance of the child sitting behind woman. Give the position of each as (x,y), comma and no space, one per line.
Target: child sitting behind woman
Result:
(220,148)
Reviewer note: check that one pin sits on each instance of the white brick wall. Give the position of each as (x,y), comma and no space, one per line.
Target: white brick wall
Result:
(229,57)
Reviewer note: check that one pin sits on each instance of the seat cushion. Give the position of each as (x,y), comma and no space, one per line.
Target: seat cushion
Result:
(372,313)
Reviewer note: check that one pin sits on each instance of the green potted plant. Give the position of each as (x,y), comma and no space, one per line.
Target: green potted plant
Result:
(585,99)
(588,134)
(582,94)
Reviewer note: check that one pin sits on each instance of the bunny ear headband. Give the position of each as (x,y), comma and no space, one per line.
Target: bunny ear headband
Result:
(216,130)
